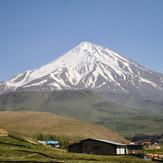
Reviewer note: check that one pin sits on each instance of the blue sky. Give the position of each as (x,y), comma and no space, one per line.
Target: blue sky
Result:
(35,32)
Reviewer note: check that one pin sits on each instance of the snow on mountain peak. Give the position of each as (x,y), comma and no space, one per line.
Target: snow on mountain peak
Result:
(97,49)
(87,66)
(85,44)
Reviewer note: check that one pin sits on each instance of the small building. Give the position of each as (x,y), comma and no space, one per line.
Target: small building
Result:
(146,144)
(135,149)
(98,147)
(154,146)
(52,143)
(3,132)
(41,142)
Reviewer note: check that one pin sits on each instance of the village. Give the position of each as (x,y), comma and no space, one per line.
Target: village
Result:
(107,147)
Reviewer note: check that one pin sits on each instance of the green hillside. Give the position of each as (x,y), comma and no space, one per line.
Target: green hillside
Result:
(87,106)
(14,148)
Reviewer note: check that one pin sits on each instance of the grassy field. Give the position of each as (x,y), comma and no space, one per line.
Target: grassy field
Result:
(16,148)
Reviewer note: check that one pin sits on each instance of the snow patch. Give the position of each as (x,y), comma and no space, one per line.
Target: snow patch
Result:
(101,85)
(149,82)
(36,84)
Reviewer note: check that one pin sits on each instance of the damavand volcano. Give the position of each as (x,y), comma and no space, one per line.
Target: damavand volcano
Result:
(88,66)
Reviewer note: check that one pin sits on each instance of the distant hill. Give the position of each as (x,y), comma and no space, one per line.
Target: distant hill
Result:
(31,123)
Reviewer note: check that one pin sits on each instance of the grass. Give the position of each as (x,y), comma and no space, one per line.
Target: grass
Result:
(15,148)
(155,151)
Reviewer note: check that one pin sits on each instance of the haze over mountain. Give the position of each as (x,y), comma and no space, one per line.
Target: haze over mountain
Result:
(88,66)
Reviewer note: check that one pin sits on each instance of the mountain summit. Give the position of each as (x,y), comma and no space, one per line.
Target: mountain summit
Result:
(87,66)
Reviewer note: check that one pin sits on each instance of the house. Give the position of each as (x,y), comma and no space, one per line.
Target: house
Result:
(98,147)
(3,132)
(135,149)
(154,146)
(52,143)
(146,144)
(41,142)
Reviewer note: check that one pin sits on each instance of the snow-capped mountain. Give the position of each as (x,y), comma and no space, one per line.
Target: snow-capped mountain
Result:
(87,66)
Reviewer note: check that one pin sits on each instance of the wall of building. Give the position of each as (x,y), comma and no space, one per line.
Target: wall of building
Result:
(97,147)
(75,148)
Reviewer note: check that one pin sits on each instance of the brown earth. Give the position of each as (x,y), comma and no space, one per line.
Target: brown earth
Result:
(31,123)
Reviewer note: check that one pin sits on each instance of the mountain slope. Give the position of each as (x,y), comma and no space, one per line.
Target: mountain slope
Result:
(30,123)
(88,66)
(86,106)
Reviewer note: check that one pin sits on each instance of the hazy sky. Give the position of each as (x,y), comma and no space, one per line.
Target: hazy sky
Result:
(35,32)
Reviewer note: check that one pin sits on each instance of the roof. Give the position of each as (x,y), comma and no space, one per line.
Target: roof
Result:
(101,140)
(108,141)
(52,142)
